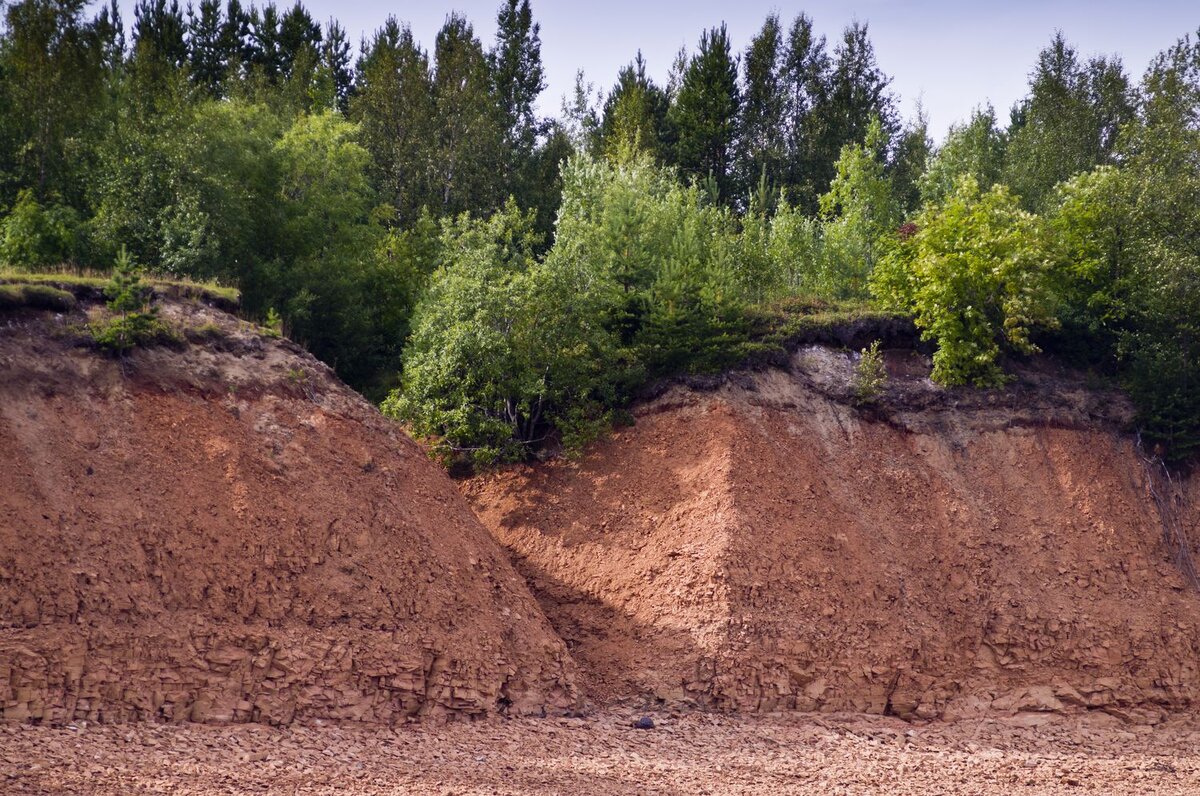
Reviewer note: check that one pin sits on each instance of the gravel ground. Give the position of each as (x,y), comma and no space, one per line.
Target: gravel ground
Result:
(605,754)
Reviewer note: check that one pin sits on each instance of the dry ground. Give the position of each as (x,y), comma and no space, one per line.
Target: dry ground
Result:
(692,754)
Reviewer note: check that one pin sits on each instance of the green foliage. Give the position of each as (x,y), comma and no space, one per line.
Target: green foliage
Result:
(870,374)
(974,274)
(1160,348)
(469,160)
(634,118)
(38,297)
(134,321)
(914,149)
(660,254)
(975,148)
(859,210)
(762,144)
(1095,237)
(505,347)
(33,236)
(833,100)
(704,113)
(1069,122)
(272,324)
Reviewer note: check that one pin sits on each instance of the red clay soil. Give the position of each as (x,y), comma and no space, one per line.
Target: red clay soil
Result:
(767,546)
(226,533)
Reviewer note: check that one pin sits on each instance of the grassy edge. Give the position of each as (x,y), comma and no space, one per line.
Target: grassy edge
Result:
(225,297)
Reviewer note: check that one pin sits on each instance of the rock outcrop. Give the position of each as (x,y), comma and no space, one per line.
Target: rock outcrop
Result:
(224,532)
(767,545)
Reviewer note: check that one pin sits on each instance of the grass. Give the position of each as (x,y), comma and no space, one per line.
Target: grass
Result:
(36,296)
(780,326)
(75,280)
(767,334)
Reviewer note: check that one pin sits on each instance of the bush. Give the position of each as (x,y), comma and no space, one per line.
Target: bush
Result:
(136,321)
(506,350)
(34,235)
(974,274)
(870,374)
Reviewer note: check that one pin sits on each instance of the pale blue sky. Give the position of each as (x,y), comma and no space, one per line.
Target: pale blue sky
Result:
(951,55)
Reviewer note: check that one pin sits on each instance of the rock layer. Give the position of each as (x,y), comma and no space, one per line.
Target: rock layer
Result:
(226,533)
(767,545)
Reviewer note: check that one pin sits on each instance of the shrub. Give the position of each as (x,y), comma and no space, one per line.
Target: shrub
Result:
(135,322)
(975,276)
(272,324)
(505,349)
(34,235)
(870,374)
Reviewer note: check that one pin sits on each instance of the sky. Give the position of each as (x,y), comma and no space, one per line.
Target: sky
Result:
(949,56)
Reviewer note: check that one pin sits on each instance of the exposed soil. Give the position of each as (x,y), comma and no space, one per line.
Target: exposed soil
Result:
(604,756)
(224,532)
(936,592)
(765,545)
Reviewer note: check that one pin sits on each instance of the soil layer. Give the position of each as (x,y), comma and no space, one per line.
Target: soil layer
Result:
(765,544)
(221,531)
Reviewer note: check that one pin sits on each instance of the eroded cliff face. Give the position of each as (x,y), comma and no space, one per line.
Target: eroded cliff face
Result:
(767,545)
(226,533)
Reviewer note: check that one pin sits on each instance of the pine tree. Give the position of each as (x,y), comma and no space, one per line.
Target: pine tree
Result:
(704,115)
(159,33)
(131,302)
(299,34)
(634,117)
(393,104)
(207,56)
(762,140)
(237,41)
(805,78)
(468,160)
(266,56)
(335,60)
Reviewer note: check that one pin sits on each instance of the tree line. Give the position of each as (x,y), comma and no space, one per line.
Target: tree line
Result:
(417,224)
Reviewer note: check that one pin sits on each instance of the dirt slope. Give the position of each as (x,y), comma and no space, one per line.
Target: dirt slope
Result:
(226,533)
(767,546)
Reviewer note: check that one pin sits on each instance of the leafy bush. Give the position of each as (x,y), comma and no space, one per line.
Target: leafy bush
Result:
(870,374)
(974,274)
(505,348)
(33,235)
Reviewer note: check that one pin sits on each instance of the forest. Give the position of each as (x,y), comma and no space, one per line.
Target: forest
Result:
(504,281)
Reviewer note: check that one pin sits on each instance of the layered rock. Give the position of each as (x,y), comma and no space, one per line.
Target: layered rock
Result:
(226,533)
